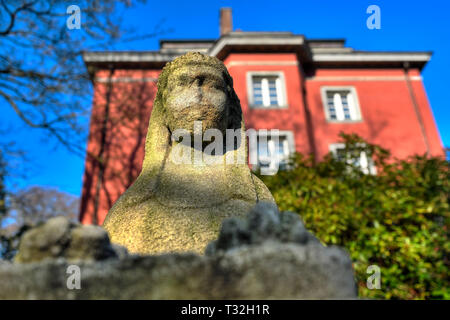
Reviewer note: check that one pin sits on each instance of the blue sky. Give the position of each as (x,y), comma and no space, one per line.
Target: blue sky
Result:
(405,25)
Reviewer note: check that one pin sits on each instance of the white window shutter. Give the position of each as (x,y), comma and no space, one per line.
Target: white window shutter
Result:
(286,148)
(352,106)
(274,161)
(338,106)
(363,162)
(265,92)
(280,97)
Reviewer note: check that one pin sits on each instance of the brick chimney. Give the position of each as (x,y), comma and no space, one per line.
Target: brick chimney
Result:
(226,21)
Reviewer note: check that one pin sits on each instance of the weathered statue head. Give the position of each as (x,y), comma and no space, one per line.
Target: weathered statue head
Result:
(180,206)
(197,87)
(194,88)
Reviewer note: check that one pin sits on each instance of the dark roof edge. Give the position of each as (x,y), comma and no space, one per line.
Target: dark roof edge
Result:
(340,40)
(187,40)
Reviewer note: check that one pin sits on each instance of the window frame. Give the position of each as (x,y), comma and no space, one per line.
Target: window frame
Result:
(280,75)
(371,168)
(352,89)
(290,142)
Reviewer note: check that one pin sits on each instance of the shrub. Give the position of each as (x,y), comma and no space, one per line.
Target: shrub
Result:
(397,219)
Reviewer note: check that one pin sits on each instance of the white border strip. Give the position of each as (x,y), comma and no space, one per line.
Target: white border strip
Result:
(371,56)
(261,63)
(362,78)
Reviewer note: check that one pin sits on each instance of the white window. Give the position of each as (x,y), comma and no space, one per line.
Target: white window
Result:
(341,104)
(274,147)
(360,160)
(266,90)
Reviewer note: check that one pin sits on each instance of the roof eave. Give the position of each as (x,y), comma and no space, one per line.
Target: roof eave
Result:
(388,59)
(259,42)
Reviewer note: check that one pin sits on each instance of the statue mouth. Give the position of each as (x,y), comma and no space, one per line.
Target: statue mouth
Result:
(203,112)
(204,107)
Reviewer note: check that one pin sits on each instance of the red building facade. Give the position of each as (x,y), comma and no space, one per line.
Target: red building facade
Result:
(308,89)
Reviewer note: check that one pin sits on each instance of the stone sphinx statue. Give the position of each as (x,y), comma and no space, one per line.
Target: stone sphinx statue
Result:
(175,206)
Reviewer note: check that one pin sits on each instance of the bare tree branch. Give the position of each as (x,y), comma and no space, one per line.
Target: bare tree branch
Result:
(42,74)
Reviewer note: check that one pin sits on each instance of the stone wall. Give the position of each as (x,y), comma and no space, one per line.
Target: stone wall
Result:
(270,255)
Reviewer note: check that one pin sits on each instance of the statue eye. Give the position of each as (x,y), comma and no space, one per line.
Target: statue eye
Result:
(200,80)
(184,80)
(216,84)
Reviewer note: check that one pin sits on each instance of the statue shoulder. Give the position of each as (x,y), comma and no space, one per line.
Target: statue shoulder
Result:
(140,191)
(262,191)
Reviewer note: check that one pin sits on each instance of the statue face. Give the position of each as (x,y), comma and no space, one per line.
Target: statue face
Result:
(197,93)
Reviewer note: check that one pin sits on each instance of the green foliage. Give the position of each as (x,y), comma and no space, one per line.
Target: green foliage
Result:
(397,219)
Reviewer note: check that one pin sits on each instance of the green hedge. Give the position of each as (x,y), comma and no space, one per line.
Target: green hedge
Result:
(397,219)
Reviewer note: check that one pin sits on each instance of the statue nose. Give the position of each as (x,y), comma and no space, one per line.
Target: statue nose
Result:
(197,88)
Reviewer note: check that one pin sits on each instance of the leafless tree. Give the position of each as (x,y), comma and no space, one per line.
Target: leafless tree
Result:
(36,204)
(29,207)
(42,75)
